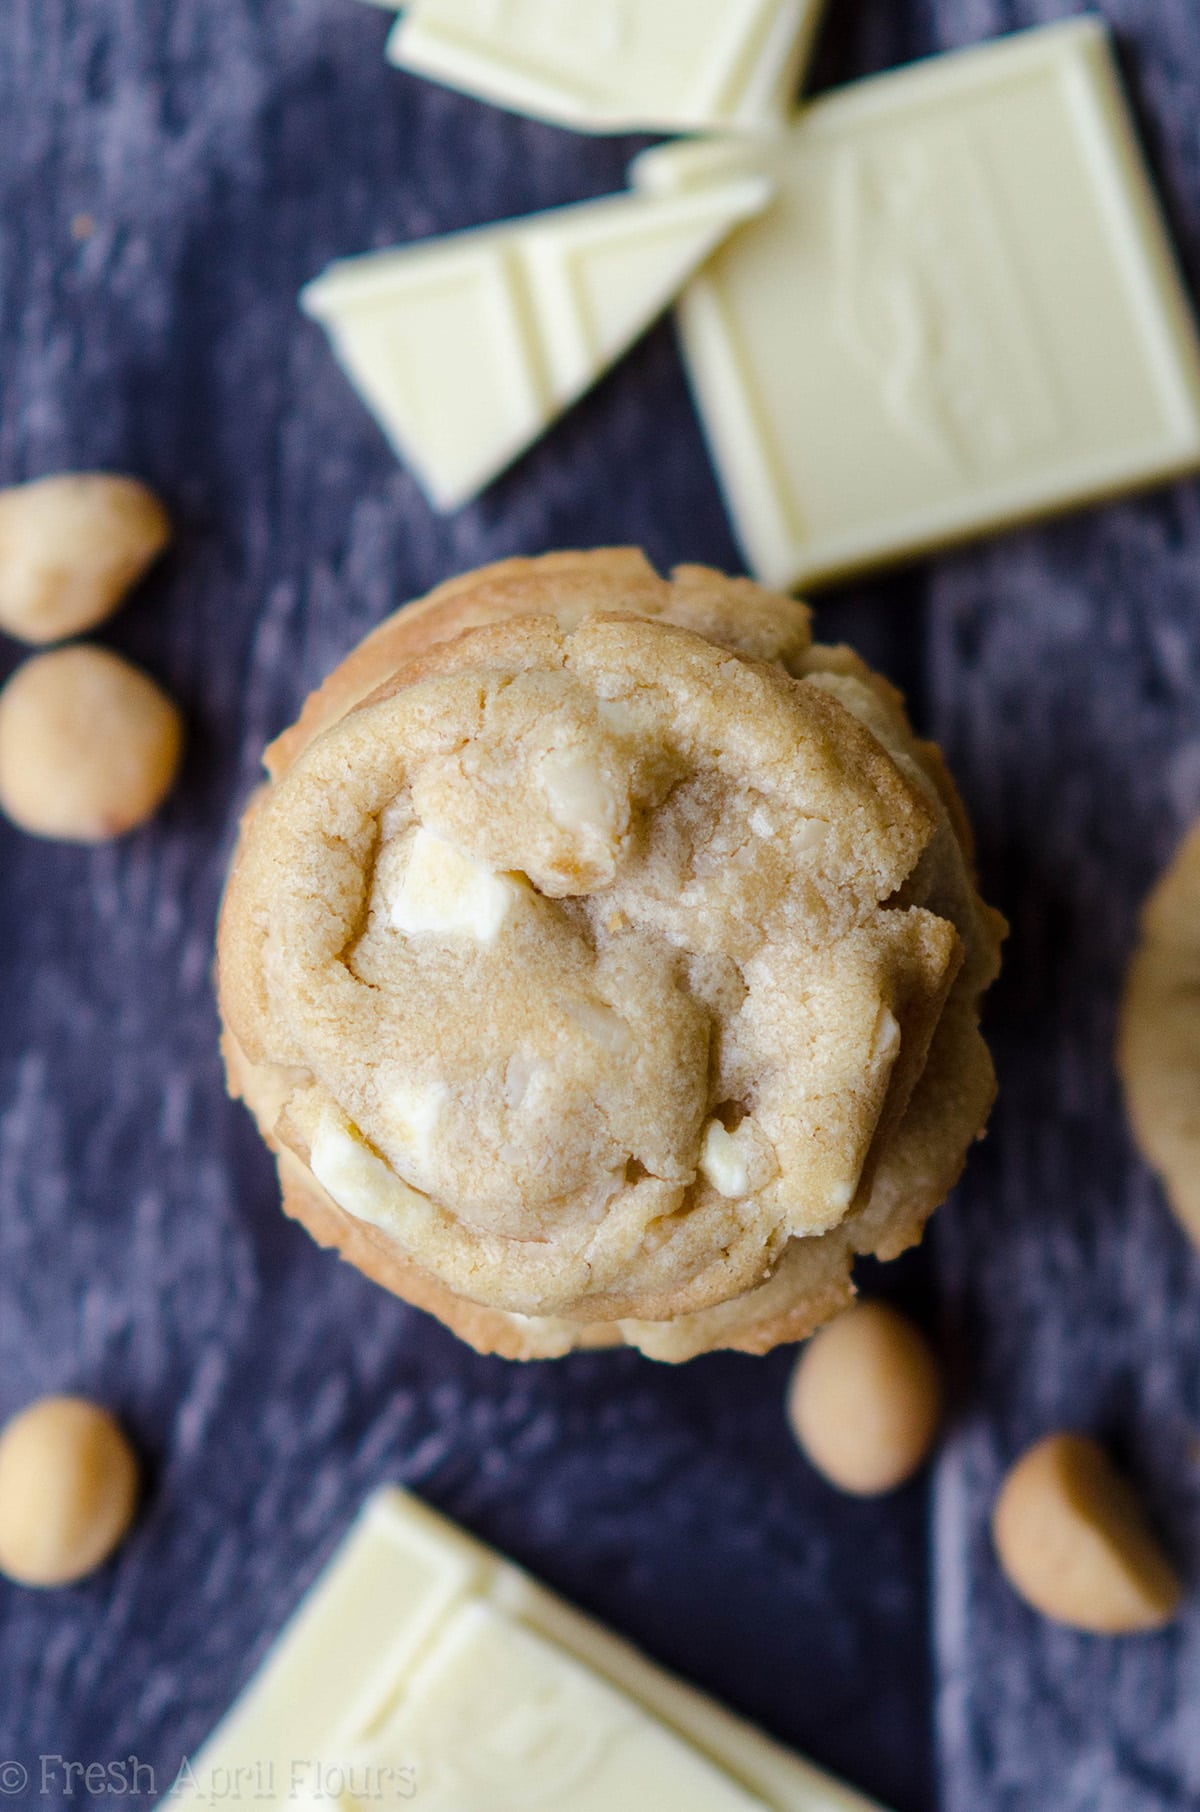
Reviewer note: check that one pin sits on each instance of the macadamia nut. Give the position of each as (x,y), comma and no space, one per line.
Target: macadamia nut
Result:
(865,1399)
(68,1489)
(70,548)
(89,746)
(1075,1543)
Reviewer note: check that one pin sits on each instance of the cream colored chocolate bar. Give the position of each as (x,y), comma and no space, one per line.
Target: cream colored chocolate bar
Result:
(961,312)
(617,65)
(424,1668)
(466,348)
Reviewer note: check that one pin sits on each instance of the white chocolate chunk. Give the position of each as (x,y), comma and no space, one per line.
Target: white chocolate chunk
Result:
(961,312)
(885,1046)
(602,1024)
(577,795)
(444,892)
(737,1163)
(617,65)
(358,1179)
(420,1650)
(723,1160)
(466,348)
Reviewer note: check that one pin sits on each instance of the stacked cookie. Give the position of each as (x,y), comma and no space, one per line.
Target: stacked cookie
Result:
(602,961)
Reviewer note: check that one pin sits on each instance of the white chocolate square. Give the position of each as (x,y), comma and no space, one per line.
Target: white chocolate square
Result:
(498,1719)
(465,348)
(423,1666)
(961,312)
(617,65)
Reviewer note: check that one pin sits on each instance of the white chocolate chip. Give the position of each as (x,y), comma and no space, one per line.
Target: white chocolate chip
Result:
(885,1046)
(519,1073)
(443,890)
(808,835)
(736,1163)
(578,797)
(723,1160)
(358,1179)
(605,1027)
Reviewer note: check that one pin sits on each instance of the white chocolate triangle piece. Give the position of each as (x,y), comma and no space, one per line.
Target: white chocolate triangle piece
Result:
(466,348)
(617,65)
(424,1667)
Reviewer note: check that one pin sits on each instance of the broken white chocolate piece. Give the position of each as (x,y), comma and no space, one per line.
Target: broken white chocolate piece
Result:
(359,1180)
(723,1161)
(961,312)
(617,65)
(725,1158)
(578,798)
(466,348)
(423,1666)
(444,892)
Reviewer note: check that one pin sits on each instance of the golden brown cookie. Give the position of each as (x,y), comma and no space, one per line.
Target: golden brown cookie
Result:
(1158,1046)
(603,962)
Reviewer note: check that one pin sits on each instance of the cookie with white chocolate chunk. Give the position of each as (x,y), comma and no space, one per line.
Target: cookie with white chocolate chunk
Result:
(602,960)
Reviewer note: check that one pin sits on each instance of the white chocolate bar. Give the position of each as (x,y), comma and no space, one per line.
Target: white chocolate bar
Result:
(423,1667)
(466,348)
(617,65)
(961,312)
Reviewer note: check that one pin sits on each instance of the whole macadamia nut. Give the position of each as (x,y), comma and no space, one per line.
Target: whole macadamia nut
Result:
(71,545)
(1075,1542)
(68,1490)
(865,1399)
(89,746)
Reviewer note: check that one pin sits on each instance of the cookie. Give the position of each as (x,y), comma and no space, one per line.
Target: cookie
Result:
(602,959)
(1158,1044)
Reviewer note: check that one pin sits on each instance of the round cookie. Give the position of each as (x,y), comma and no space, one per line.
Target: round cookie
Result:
(603,962)
(1158,1045)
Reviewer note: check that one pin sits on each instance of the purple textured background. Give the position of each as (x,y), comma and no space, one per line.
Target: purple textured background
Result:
(224,153)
